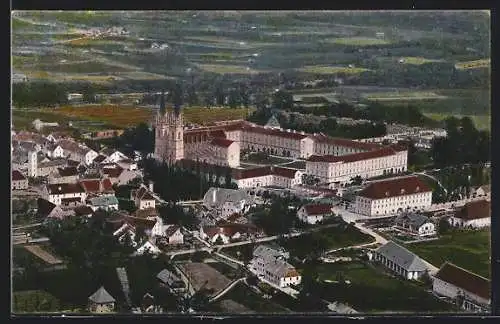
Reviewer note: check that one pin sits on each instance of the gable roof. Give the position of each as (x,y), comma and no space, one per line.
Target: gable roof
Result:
(143,193)
(265,251)
(97,185)
(44,207)
(284,172)
(401,256)
(318,209)
(103,201)
(168,277)
(415,220)
(99,158)
(171,229)
(465,280)
(17,176)
(394,187)
(64,188)
(223,195)
(474,210)
(101,296)
(113,172)
(251,173)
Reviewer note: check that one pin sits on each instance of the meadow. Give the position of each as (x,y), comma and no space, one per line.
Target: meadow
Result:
(228,69)
(358,41)
(483,63)
(468,249)
(332,70)
(482,122)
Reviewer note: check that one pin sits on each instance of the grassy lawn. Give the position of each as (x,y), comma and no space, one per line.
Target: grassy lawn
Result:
(331,238)
(480,121)
(225,269)
(244,295)
(484,63)
(33,301)
(332,70)
(468,249)
(373,291)
(358,41)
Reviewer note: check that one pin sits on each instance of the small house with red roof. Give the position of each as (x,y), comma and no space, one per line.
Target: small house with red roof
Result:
(314,213)
(97,187)
(393,196)
(474,214)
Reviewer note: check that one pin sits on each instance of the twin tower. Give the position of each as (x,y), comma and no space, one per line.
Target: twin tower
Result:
(169,134)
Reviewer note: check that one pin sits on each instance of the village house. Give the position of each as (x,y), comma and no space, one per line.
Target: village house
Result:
(482,191)
(118,175)
(228,232)
(399,260)
(143,198)
(314,213)
(474,214)
(19,181)
(415,224)
(45,169)
(112,156)
(333,169)
(271,265)
(147,247)
(471,290)
(267,176)
(77,152)
(107,203)
(64,175)
(171,281)
(97,187)
(225,202)
(391,196)
(166,233)
(53,151)
(101,302)
(64,193)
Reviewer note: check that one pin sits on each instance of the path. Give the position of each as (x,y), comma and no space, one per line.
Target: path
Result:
(225,290)
(433,178)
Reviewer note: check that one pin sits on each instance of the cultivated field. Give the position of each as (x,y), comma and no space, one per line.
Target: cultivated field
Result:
(484,63)
(228,69)
(201,275)
(358,41)
(332,70)
(468,249)
(43,254)
(482,122)
(394,96)
(416,60)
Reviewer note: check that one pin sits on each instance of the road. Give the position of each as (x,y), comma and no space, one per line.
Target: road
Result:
(225,290)
(433,178)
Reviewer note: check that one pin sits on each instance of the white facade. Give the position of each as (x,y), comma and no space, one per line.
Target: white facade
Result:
(393,205)
(343,172)
(262,181)
(32,164)
(115,157)
(19,184)
(472,223)
(56,198)
(55,153)
(410,275)
(449,290)
(308,218)
(276,271)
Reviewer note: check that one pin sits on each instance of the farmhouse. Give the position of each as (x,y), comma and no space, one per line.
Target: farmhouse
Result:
(415,224)
(228,232)
(400,261)
(475,214)
(166,233)
(314,213)
(64,175)
(386,197)
(143,198)
(19,181)
(471,290)
(64,193)
(271,265)
(77,152)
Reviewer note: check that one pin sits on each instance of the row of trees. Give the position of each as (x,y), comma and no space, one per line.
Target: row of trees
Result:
(464,144)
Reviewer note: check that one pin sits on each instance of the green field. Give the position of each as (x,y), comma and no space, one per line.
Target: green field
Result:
(358,41)
(332,70)
(482,122)
(468,249)
(371,290)
(244,295)
(34,301)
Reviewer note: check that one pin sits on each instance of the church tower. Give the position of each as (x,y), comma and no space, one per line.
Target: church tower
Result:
(32,164)
(169,134)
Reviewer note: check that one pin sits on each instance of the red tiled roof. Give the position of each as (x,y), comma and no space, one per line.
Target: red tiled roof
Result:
(64,188)
(318,209)
(345,142)
(251,173)
(394,187)
(385,151)
(474,210)
(222,142)
(275,132)
(466,280)
(97,185)
(284,172)
(17,176)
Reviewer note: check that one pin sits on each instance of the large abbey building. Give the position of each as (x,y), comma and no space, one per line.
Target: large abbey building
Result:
(332,160)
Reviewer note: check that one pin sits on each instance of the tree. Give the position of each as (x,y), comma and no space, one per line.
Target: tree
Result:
(89,94)
(443,226)
(282,100)
(356,181)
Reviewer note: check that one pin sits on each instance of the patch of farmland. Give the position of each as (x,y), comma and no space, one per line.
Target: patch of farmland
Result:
(332,70)
(484,63)
(358,41)
(229,69)
(414,95)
